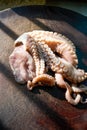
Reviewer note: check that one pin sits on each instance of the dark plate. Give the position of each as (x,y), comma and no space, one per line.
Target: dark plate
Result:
(43,108)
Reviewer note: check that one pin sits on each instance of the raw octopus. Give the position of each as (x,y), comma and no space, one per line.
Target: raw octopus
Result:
(37,52)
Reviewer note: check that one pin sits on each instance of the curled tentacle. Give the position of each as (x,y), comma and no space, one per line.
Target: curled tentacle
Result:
(69,97)
(67,53)
(60,80)
(41,80)
(61,83)
(58,43)
(61,66)
(80,89)
(76,75)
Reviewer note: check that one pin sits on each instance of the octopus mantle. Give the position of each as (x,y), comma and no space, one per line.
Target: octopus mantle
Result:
(38,52)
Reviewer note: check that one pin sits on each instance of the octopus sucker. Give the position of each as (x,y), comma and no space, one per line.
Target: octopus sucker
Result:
(61,65)
(65,70)
(37,52)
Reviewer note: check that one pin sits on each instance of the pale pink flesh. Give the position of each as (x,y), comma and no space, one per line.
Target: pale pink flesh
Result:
(22,64)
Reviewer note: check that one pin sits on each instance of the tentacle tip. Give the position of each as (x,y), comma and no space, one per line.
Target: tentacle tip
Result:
(29,85)
(83,102)
(30,88)
(86,74)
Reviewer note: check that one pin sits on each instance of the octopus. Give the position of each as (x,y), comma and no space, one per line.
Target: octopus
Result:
(38,52)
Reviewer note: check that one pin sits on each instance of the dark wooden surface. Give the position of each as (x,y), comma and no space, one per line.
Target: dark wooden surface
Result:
(43,108)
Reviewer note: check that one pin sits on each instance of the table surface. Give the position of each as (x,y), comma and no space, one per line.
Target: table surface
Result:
(79,6)
(43,108)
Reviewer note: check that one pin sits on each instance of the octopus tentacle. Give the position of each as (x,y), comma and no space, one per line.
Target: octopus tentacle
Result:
(80,89)
(43,79)
(40,35)
(57,42)
(60,65)
(67,53)
(61,83)
(60,80)
(42,62)
(69,98)
(32,48)
(83,102)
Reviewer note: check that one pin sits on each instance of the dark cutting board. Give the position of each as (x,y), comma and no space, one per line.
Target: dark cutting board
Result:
(43,108)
